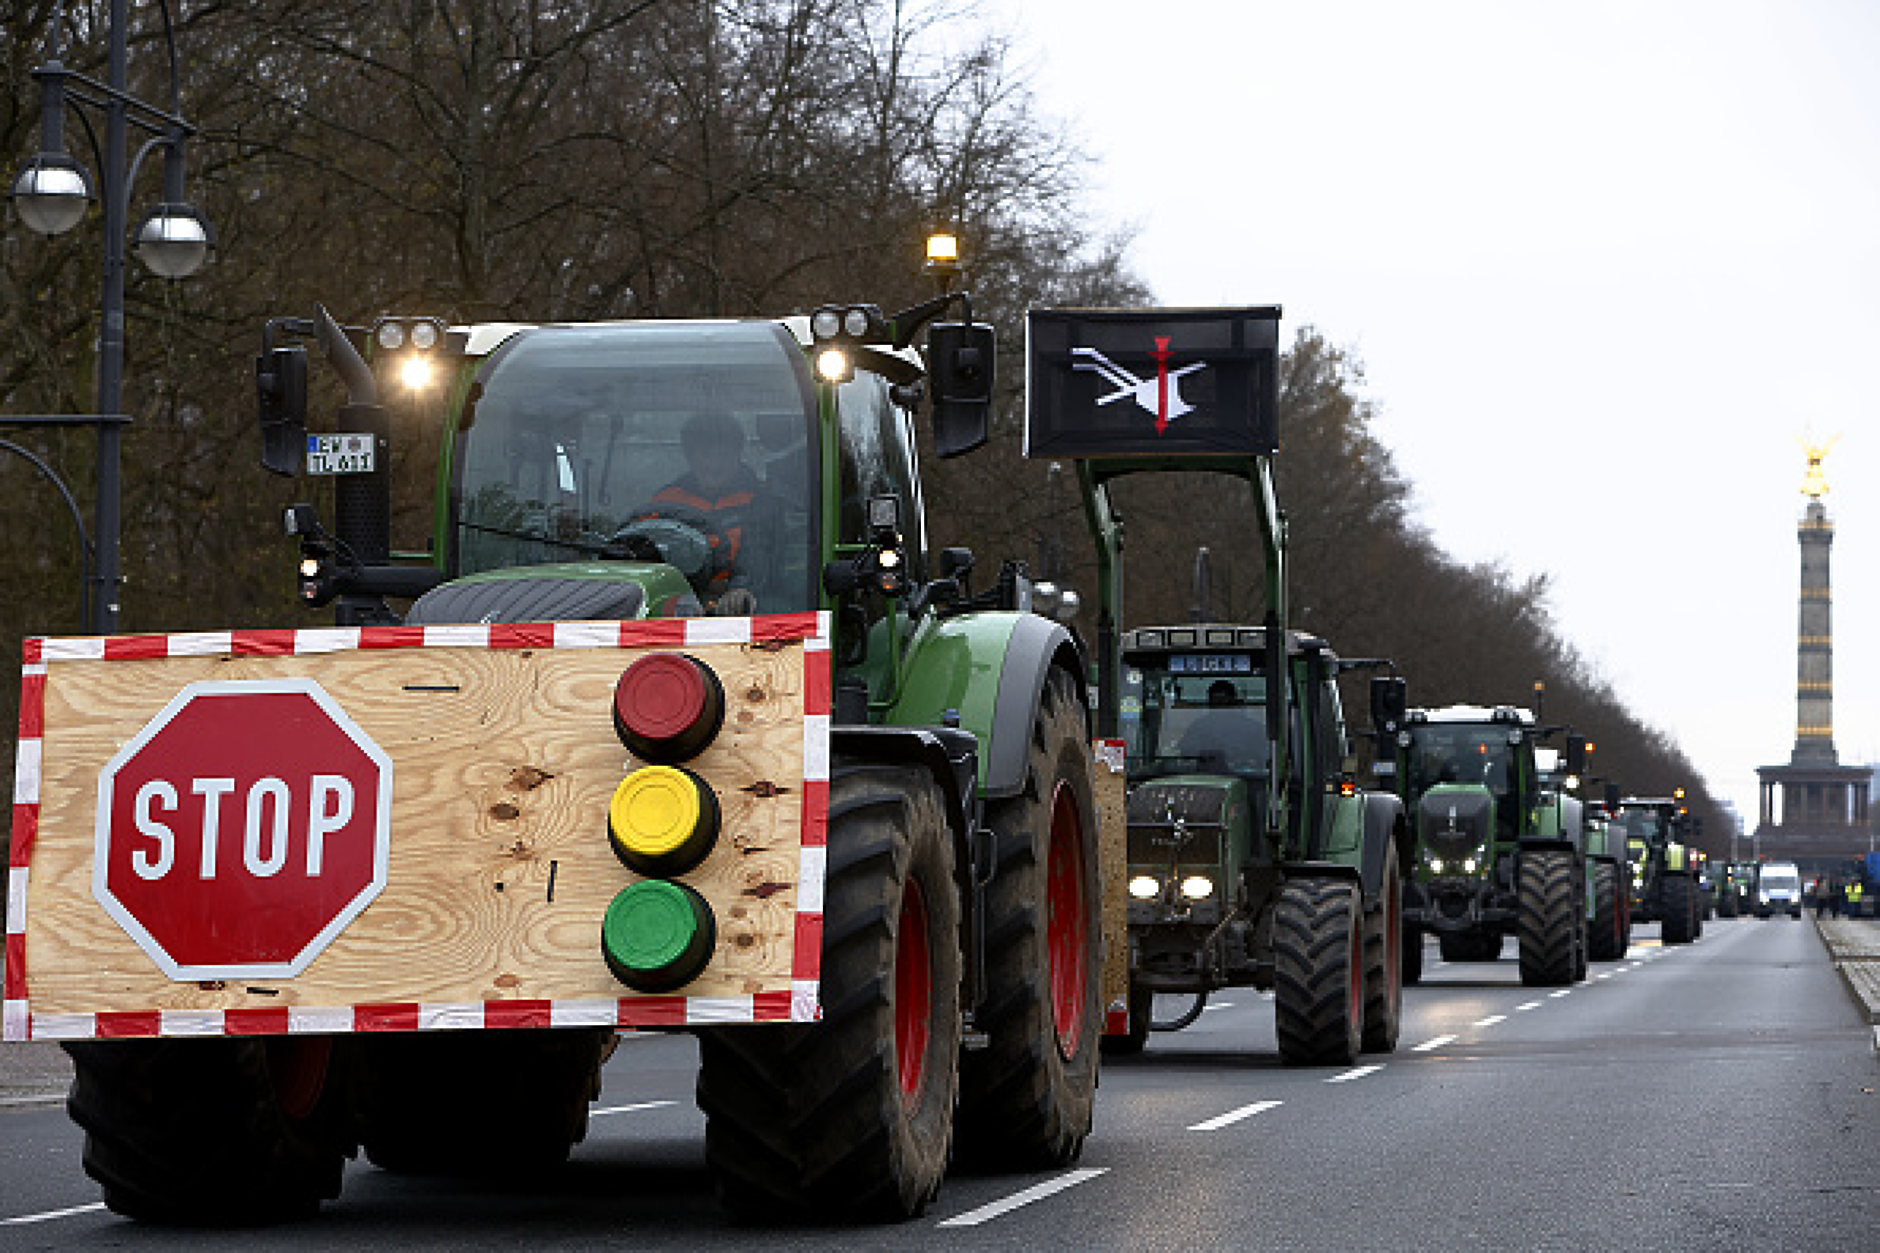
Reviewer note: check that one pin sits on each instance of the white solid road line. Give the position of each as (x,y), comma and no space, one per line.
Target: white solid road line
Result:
(628,1109)
(985,1213)
(1359,1073)
(1437,1043)
(23,1219)
(1235,1115)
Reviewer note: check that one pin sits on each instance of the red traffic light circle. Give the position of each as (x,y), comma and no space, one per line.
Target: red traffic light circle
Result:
(668,707)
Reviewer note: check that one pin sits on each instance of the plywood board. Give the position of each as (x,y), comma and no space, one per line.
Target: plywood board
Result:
(504,759)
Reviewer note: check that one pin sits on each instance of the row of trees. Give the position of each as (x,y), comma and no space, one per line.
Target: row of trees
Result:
(508,159)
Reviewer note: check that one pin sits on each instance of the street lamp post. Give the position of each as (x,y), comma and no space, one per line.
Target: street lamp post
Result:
(50,195)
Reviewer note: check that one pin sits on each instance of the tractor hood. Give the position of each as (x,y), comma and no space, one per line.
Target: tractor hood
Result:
(1185,817)
(559,593)
(1455,819)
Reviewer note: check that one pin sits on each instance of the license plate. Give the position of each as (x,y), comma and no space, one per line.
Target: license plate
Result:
(339,454)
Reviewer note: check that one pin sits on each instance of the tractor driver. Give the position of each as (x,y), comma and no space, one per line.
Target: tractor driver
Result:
(1222,731)
(748,518)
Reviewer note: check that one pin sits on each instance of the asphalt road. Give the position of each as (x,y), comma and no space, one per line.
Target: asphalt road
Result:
(1720,1095)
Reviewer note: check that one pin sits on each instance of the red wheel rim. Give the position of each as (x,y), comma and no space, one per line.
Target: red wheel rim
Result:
(1068,922)
(297,1068)
(913,994)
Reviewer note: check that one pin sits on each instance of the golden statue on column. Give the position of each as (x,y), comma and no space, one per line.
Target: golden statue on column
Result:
(1815,482)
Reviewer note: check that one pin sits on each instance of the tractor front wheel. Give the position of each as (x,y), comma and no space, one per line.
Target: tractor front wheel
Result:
(227,1131)
(1026,1099)
(432,1103)
(852,1117)
(1318,976)
(1547,923)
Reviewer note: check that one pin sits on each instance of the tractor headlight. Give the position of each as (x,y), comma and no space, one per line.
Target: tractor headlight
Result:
(417,373)
(1197,887)
(1468,865)
(832,366)
(825,323)
(1436,865)
(1145,887)
(391,336)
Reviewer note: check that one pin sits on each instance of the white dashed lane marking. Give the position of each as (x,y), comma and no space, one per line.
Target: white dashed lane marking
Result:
(985,1213)
(1235,1115)
(1359,1073)
(1437,1043)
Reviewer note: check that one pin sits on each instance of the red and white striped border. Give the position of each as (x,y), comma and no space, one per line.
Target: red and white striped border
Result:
(798,1004)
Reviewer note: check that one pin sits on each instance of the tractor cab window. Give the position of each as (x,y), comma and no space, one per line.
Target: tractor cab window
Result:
(682,443)
(1460,754)
(877,442)
(1186,715)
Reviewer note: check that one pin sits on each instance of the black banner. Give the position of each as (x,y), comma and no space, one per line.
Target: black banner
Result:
(1151,382)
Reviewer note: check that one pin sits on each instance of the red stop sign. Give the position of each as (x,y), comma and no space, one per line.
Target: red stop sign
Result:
(242,829)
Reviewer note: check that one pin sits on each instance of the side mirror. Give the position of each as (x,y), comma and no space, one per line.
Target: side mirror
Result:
(281,401)
(960,364)
(1388,703)
(1575,756)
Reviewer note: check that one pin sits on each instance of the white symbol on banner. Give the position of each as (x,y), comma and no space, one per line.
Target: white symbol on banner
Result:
(1160,396)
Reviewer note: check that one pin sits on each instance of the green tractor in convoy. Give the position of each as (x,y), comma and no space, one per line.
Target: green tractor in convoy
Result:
(1734,887)
(1498,853)
(1253,858)
(679,492)
(1664,873)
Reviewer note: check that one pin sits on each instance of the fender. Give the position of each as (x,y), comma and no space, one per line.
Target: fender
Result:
(1384,825)
(951,667)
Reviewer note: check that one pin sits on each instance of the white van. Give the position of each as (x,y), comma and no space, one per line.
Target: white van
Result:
(1778,889)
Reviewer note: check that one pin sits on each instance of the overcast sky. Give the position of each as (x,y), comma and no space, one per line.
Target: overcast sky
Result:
(1605,263)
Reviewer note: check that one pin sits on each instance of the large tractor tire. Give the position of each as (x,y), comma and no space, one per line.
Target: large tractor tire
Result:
(1026,1098)
(1605,941)
(213,1132)
(478,1103)
(1318,975)
(1547,925)
(1383,962)
(1470,946)
(1678,909)
(851,1118)
(1131,1042)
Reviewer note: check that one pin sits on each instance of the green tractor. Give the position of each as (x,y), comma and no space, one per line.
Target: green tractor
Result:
(730,485)
(1733,887)
(1664,873)
(1254,860)
(1498,853)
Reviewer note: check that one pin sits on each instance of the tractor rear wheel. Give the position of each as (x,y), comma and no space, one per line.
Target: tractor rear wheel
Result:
(1318,975)
(1026,1099)
(1383,962)
(852,1117)
(1606,938)
(1546,923)
(212,1132)
(1678,909)
(478,1103)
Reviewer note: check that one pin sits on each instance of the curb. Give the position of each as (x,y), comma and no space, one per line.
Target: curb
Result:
(1853,945)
